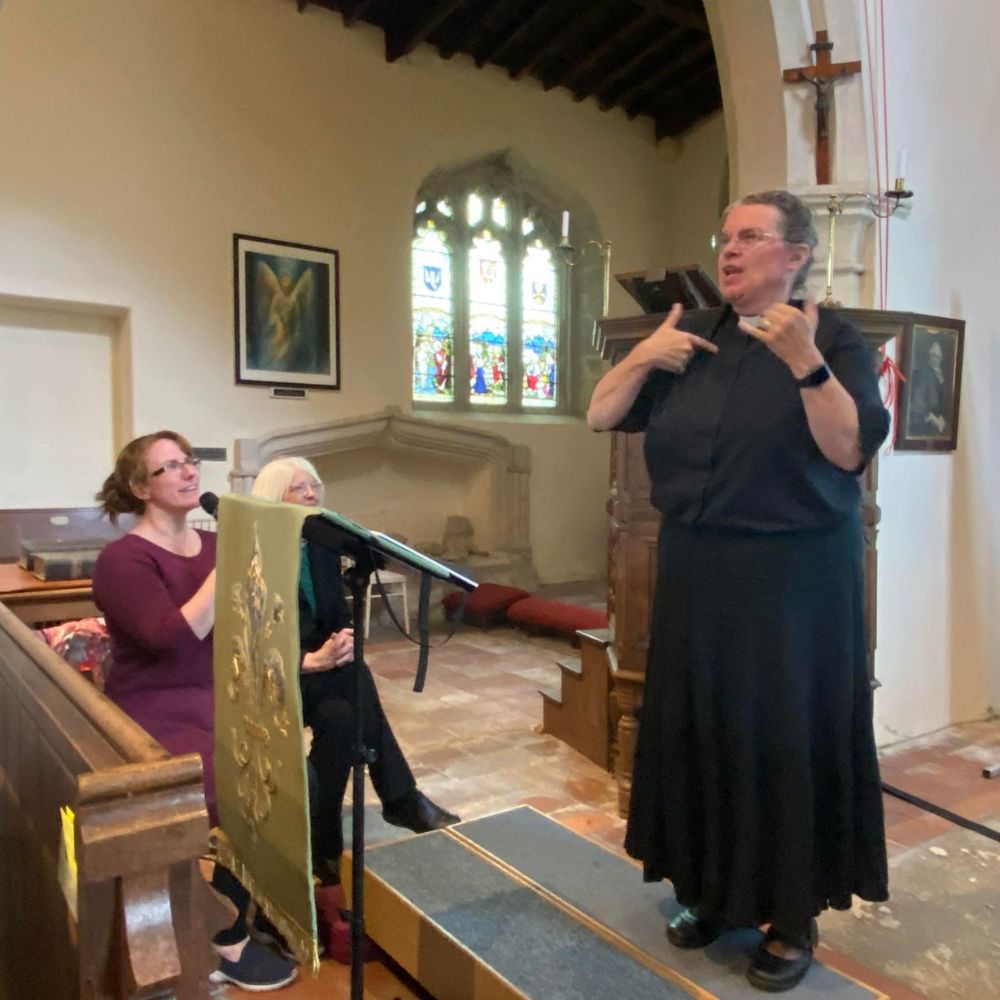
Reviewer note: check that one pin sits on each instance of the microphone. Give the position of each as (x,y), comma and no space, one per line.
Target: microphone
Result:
(210,504)
(322,531)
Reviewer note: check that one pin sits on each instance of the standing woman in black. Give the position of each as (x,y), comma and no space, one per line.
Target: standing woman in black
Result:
(756,786)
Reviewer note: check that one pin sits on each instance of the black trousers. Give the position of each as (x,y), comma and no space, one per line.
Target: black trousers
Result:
(226,883)
(328,698)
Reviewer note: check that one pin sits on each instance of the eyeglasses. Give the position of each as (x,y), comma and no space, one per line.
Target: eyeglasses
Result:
(745,239)
(300,489)
(176,464)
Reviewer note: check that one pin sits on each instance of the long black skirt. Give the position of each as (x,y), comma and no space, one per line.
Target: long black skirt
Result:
(756,785)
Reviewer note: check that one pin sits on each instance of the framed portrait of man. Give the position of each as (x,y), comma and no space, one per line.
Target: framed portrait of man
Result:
(287,298)
(930,359)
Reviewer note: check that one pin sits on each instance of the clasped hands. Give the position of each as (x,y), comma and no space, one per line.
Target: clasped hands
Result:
(335,652)
(787,331)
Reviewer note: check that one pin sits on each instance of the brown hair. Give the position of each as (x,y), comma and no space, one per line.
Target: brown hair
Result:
(116,496)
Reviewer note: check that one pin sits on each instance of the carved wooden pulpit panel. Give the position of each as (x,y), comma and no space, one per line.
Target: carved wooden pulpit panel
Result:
(634,528)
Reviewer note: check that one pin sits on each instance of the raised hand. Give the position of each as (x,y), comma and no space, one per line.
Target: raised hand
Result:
(791,334)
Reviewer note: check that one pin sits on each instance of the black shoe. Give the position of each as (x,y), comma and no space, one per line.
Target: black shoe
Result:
(264,932)
(258,970)
(417,813)
(773,974)
(327,870)
(688,930)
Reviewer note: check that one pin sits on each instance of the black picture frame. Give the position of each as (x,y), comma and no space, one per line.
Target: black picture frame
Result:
(929,354)
(287,304)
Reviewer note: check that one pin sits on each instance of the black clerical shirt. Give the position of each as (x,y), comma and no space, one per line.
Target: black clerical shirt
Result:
(727,443)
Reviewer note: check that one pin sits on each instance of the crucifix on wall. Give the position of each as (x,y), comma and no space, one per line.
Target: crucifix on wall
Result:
(823,75)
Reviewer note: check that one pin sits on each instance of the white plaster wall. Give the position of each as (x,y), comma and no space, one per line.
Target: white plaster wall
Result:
(138,137)
(939,641)
(699,192)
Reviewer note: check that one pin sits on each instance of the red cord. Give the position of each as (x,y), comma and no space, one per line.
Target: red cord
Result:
(893,376)
(885,153)
(876,149)
(888,369)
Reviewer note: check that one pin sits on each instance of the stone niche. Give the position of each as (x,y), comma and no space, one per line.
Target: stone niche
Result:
(407,475)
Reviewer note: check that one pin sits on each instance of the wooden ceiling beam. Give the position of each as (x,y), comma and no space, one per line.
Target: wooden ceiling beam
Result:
(608,96)
(401,43)
(569,71)
(524,30)
(599,52)
(462,39)
(675,121)
(550,45)
(351,11)
(492,42)
(574,43)
(665,72)
(700,89)
(676,13)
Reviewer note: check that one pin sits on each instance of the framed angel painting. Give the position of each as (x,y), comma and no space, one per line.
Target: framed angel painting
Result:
(287,313)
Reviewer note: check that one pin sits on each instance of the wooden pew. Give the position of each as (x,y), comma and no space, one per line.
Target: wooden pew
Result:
(144,915)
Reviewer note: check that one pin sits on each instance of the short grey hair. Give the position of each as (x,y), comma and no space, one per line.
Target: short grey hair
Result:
(796,224)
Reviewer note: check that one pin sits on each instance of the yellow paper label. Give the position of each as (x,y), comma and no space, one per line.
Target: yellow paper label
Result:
(67,858)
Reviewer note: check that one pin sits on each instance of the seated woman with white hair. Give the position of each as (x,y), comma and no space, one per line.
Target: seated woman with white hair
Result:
(328,683)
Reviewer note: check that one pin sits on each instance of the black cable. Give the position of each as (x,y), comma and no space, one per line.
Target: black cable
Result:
(969,824)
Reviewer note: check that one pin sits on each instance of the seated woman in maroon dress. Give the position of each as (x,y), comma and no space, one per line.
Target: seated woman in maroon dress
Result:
(156,588)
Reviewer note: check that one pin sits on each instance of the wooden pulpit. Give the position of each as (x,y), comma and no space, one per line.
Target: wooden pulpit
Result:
(633,528)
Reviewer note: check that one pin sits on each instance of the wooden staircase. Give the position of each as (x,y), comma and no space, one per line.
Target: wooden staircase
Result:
(578,712)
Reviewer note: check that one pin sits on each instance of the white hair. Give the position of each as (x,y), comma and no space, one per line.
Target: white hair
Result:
(273,480)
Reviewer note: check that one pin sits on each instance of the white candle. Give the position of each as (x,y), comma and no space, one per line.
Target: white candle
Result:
(901,163)
(565,228)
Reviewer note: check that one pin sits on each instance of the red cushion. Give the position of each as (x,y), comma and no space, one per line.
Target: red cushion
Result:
(554,616)
(486,605)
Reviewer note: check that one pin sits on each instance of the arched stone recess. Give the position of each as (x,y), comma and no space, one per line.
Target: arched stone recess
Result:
(771,125)
(507,169)
(448,468)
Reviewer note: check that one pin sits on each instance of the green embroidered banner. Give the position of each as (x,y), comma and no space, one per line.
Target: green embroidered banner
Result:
(260,769)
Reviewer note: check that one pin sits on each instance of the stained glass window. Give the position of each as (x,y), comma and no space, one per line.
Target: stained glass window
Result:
(487,321)
(488,300)
(474,209)
(433,316)
(499,213)
(539,327)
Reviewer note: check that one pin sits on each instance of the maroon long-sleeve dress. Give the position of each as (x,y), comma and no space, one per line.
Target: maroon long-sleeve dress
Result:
(161,672)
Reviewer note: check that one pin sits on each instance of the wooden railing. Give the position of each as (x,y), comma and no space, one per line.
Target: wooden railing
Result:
(140,920)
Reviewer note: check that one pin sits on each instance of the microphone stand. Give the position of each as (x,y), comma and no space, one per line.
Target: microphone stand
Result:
(368,549)
(357,578)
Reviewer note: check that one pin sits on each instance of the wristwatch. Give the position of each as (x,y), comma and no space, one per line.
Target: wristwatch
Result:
(816,377)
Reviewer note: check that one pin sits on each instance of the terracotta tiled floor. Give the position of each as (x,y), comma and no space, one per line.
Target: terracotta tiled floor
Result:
(945,768)
(473,740)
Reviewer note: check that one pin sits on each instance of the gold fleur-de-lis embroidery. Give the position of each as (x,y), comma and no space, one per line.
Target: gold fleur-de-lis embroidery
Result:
(257,682)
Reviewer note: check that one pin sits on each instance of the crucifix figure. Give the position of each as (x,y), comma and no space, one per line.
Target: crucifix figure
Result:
(822,76)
